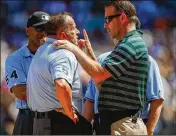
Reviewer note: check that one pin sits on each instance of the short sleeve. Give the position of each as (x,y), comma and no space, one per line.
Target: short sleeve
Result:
(154,85)
(63,66)
(14,72)
(119,60)
(91,90)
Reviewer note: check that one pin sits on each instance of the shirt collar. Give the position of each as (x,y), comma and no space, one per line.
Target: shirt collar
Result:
(131,33)
(50,40)
(26,52)
(134,32)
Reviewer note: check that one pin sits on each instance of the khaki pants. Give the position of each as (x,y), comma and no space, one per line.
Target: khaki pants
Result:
(125,126)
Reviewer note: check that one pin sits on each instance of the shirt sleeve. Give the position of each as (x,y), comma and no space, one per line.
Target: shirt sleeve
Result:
(154,85)
(14,72)
(119,60)
(91,90)
(63,66)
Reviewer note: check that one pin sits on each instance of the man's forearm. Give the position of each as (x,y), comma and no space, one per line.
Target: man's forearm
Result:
(63,92)
(91,53)
(88,110)
(65,101)
(19,91)
(154,114)
(92,67)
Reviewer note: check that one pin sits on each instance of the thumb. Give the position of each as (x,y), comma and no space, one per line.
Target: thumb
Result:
(81,43)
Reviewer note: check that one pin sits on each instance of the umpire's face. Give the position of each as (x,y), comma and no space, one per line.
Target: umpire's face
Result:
(36,35)
(71,31)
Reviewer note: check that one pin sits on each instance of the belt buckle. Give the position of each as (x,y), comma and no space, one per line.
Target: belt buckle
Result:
(26,112)
(46,114)
(41,114)
(135,117)
(36,114)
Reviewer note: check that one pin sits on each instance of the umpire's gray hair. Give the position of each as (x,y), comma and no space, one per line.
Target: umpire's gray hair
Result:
(57,23)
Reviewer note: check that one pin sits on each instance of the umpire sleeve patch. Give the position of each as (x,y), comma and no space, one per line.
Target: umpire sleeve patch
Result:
(14,74)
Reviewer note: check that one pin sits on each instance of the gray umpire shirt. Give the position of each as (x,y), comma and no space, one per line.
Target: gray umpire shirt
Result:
(48,64)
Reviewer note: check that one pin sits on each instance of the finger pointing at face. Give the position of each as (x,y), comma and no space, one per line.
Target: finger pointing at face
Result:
(85,35)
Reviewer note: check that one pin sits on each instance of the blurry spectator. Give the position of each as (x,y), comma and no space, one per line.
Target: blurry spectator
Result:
(53,7)
(4,53)
(14,6)
(17,21)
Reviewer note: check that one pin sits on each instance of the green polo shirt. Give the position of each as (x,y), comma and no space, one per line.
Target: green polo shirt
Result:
(128,64)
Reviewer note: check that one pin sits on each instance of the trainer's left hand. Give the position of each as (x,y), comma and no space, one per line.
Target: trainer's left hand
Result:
(64,44)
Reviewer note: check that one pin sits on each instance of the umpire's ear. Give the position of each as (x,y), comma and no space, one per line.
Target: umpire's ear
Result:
(27,31)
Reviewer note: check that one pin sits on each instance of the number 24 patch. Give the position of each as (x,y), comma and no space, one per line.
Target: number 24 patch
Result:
(13,75)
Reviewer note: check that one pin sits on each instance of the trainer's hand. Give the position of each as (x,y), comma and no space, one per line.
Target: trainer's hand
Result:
(83,43)
(76,118)
(85,46)
(64,44)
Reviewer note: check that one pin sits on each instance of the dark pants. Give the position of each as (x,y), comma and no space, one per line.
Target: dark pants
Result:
(96,124)
(145,121)
(24,123)
(83,126)
(109,117)
(57,123)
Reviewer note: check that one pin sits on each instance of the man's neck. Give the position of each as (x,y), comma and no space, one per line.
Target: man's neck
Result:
(127,29)
(32,48)
(115,41)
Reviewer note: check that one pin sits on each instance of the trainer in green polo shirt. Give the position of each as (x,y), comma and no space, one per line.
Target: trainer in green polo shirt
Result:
(128,65)
(122,77)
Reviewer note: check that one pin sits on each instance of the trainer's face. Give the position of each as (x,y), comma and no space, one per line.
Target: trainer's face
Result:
(112,21)
(36,35)
(72,32)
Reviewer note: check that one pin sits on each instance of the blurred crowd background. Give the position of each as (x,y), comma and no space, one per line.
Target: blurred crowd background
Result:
(158,19)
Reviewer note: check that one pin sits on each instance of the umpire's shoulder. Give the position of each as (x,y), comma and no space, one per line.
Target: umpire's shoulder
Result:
(68,53)
(15,56)
(153,63)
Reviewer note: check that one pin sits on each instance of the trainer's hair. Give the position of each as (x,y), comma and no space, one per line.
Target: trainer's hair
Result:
(57,23)
(124,6)
(138,23)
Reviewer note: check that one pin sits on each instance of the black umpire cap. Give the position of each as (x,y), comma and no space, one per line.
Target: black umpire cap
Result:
(38,18)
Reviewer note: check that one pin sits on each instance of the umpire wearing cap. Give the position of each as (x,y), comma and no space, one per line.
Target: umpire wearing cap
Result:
(53,92)
(17,65)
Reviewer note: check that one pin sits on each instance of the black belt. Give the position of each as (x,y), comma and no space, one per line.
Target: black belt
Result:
(43,114)
(26,112)
(48,114)
(117,115)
